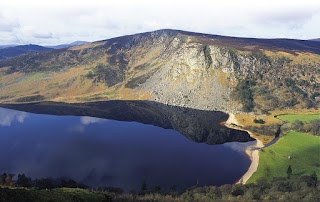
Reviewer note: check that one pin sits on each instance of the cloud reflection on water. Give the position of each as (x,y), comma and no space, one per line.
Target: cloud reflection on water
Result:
(86,120)
(7,116)
(240,146)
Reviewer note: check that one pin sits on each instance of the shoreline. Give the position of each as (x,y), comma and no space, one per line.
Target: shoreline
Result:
(252,151)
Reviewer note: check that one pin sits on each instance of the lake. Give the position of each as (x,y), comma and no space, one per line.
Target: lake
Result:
(126,147)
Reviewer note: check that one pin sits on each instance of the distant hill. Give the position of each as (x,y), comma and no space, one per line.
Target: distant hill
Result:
(7,46)
(315,39)
(76,43)
(14,51)
(172,67)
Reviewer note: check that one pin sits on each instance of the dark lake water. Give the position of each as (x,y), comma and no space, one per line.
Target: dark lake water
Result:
(106,152)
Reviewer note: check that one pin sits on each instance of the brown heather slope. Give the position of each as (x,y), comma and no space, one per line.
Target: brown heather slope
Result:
(172,67)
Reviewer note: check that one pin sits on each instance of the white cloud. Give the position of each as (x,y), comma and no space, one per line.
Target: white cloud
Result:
(30,31)
(62,21)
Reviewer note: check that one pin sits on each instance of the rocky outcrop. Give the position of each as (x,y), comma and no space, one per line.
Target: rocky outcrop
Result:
(171,67)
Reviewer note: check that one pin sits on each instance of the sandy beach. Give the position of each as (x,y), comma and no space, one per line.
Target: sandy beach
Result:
(252,151)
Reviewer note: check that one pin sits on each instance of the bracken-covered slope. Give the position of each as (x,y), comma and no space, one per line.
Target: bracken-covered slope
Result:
(172,67)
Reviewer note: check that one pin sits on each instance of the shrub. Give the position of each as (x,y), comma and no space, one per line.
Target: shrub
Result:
(237,192)
(90,75)
(315,127)
(297,125)
(261,90)
(314,95)
(260,121)
(269,130)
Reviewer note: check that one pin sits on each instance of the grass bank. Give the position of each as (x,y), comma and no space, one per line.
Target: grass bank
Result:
(300,150)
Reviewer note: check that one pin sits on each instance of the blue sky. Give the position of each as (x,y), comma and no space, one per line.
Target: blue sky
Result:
(64,21)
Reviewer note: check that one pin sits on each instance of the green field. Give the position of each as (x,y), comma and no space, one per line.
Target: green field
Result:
(304,150)
(290,118)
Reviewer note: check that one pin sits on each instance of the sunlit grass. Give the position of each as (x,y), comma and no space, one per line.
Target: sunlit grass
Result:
(300,150)
(302,117)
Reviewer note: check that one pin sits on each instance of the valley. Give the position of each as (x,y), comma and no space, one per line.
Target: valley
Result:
(175,83)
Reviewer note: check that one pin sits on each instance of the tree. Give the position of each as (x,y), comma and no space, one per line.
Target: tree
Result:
(3,178)
(173,188)
(44,183)
(23,181)
(144,185)
(289,171)
(7,179)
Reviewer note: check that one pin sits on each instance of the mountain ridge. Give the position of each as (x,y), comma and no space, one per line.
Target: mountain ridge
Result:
(67,45)
(13,51)
(276,42)
(173,67)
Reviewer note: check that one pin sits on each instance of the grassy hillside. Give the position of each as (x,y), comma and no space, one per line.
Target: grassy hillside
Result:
(303,150)
(172,67)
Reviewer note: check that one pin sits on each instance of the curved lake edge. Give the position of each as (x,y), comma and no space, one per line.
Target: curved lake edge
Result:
(251,151)
(51,108)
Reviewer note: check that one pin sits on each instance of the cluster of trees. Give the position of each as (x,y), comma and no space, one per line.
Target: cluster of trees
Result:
(244,93)
(294,189)
(269,130)
(312,127)
(290,188)
(254,92)
(22,180)
(106,74)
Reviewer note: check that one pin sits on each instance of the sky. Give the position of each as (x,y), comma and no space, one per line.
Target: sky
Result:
(50,22)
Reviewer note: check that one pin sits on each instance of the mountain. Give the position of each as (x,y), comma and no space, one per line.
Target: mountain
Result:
(7,46)
(172,67)
(10,52)
(315,40)
(76,43)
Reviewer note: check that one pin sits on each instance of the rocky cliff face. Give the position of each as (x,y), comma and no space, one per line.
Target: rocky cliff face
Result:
(171,67)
